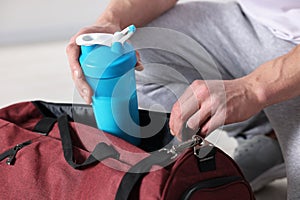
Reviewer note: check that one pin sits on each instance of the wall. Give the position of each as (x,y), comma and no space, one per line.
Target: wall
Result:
(45,20)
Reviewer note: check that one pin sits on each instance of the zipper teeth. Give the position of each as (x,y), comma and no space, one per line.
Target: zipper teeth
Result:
(181,160)
(227,182)
(12,157)
(13,151)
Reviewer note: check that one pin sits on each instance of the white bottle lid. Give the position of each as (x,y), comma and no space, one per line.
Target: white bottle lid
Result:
(105,38)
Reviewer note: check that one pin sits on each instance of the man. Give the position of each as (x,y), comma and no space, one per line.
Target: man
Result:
(251,45)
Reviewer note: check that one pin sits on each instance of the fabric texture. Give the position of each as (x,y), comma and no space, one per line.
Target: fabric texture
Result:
(43,169)
(280,16)
(202,40)
(212,40)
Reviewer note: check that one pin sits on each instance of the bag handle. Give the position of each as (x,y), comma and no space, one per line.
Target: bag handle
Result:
(100,152)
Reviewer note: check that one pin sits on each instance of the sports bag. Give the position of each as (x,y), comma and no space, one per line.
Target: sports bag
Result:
(54,151)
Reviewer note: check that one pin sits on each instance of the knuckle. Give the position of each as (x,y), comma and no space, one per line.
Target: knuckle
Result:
(213,101)
(200,89)
(70,47)
(176,111)
(196,83)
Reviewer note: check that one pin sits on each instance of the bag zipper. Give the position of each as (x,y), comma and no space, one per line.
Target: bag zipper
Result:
(176,150)
(211,183)
(11,153)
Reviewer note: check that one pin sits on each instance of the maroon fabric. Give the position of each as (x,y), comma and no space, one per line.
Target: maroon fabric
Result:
(185,173)
(41,172)
(234,191)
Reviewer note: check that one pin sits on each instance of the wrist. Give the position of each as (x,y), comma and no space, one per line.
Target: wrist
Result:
(258,90)
(109,19)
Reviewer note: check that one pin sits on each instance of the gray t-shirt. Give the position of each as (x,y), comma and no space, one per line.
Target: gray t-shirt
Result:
(282,17)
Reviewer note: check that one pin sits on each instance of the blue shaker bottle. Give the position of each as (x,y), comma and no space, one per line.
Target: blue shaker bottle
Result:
(108,63)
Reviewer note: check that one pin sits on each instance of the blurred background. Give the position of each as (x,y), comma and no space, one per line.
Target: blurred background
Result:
(33,38)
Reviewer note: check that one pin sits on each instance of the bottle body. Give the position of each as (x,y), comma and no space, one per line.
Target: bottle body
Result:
(111,75)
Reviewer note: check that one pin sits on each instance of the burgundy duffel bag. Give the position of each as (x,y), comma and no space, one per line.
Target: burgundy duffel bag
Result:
(54,151)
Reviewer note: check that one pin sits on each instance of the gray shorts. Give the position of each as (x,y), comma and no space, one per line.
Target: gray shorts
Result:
(202,40)
(210,40)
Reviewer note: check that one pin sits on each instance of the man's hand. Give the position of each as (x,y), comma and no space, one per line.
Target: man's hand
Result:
(117,16)
(207,105)
(73,53)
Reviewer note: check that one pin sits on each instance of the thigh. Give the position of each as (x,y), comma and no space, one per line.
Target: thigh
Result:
(235,42)
(173,56)
(199,40)
(285,119)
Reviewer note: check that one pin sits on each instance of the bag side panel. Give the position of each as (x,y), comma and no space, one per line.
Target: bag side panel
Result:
(233,191)
(40,172)
(25,115)
(152,185)
(186,173)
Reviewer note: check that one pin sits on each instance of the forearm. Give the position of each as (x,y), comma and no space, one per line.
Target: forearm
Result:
(137,12)
(277,80)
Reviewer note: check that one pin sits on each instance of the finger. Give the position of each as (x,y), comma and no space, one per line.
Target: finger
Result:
(73,52)
(198,118)
(178,137)
(139,66)
(212,124)
(189,104)
(175,122)
(186,106)
(187,133)
(191,100)
(179,115)
(83,87)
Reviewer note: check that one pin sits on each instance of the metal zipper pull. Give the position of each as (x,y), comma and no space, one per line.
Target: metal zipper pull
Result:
(203,150)
(176,149)
(196,140)
(11,159)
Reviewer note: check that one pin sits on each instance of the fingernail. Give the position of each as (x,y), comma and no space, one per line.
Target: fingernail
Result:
(187,124)
(191,127)
(172,132)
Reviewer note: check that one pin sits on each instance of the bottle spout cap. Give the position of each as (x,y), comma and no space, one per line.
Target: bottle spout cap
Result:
(105,38)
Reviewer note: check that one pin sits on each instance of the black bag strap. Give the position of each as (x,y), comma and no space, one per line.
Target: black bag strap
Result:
(100,152)
(138,171)
(45,125)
